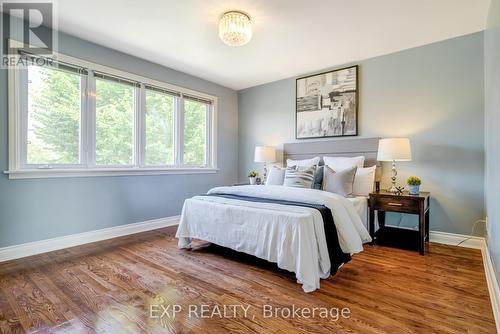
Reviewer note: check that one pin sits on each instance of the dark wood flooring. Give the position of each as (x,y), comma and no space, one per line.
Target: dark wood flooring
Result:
(108,287)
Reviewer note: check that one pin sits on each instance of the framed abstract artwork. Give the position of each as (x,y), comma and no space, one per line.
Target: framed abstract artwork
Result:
(327,104)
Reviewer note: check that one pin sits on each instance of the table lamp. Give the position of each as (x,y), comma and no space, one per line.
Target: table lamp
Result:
(394,149)
(265,154)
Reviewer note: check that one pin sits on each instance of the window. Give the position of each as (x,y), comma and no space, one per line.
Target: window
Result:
(75,118)
(53,116)
(160,106)
(114,121)
(195,137)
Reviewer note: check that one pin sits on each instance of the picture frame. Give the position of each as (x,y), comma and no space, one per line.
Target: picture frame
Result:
(326,104)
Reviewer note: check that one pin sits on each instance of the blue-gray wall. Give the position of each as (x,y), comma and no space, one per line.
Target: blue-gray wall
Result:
(44,208)
(433,94)
(492,107)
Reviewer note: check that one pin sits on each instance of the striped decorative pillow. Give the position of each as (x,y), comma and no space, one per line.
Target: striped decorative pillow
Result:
(299,177)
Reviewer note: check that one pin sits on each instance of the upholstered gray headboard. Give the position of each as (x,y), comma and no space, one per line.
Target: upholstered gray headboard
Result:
(367,147)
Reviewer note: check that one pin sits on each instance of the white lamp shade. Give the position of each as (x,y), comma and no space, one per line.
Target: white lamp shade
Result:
(394,149)
(265,154)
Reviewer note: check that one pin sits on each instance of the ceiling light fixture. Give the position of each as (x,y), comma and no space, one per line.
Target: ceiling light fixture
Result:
(235,28)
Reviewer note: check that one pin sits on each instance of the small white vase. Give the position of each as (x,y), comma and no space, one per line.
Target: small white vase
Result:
(253,180)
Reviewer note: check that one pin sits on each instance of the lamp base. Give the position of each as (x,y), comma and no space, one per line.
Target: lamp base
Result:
(393,178)
(265,173)
(393,189)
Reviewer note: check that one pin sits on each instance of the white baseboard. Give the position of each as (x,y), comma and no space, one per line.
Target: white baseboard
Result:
(49,245)
(457,239)
(492,281)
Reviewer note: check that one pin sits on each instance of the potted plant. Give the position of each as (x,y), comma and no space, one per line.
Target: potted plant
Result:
(414,185)
(252,176)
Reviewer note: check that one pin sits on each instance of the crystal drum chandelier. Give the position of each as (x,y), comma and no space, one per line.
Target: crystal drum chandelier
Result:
(235,28)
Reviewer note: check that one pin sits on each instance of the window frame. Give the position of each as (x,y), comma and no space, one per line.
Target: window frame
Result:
(19,169)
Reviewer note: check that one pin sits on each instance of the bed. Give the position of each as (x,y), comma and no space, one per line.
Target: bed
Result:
(306,231)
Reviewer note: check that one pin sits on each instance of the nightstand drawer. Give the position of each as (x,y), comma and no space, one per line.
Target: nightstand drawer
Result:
(406,205)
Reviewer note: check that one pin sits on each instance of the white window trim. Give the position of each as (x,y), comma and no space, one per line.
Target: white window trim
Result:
(17,170)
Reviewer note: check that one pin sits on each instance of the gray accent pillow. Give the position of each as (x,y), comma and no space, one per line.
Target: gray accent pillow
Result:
(318,178)
(340,182)
(299,177)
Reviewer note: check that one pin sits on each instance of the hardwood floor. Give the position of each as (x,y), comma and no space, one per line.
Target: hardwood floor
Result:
(109,286)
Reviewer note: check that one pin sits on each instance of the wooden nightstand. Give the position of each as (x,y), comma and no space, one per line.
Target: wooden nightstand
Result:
(384,201)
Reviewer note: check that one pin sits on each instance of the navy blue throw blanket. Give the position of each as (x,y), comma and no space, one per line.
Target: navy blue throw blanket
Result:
(337,256)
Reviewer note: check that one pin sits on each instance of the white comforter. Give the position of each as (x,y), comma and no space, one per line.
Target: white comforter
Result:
(291,236)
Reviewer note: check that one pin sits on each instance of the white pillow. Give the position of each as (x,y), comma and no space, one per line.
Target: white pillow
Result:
(341,183)
(340,163)
(303,163)
(364,181)
(276,176)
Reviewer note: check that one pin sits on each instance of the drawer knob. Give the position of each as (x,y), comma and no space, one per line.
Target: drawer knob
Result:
(395,204)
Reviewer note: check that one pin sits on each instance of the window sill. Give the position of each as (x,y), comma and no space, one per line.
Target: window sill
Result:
(57,173)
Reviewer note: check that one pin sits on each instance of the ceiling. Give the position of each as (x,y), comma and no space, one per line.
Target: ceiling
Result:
(290,37)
